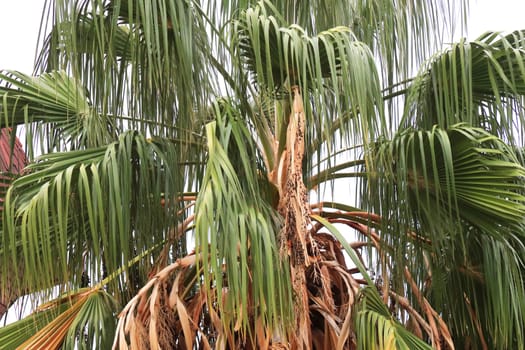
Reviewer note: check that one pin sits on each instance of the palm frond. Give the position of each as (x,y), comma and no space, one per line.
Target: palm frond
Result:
(336,74)
(480,82)
(460,190)
(487,315)
(16,333)
(377,328)
(236,232)
(463,173)
(89,30)
(54,99)
(404,33)
(165,49)
(170,311)
(76,203)
(95,324)
(79,320)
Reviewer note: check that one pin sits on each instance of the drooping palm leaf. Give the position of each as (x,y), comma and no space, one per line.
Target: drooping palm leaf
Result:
(53,99)
(81,199)
(480,82)
(461,172)
(84,319)
(164,48)
(376,327)
(236,231)
(89,32)
(335,72)
(490,274)
(13,335)
(460,189)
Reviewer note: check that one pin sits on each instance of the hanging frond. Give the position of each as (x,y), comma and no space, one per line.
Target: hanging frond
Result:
(489,272)
(159,316)
(445,177)
(481,83)
(281,56)
(236,233)
(88,30)
(81,320)
(53,99)
(461,191)
(138,58)
(336,74)
(74,204)
(404,33)
(377,328)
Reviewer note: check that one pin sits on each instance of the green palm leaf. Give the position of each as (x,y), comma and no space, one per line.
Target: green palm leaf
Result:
(77,202)
(150,52)
(479,82)
(53,99)
(336,73)
(82,320)
(233,218)
(461,172)
(462,189)
(378,329)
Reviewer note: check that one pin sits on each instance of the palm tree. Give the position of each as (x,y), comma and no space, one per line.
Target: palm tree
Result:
(238,174)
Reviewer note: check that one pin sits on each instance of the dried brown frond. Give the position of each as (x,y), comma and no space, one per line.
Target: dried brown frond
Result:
(332,293)
(439,333)
(157,317)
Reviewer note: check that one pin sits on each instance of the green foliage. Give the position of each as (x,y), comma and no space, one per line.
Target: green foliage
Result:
(378,329)
(236,229)
(461,172)
(75,202)
(155,125)
(335,71)
(78,321)
(479,83)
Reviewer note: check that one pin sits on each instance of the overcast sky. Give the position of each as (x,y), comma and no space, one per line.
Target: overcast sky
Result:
(496,15)
(20,20)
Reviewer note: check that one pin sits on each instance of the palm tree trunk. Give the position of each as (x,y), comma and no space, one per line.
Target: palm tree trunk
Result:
(293,206)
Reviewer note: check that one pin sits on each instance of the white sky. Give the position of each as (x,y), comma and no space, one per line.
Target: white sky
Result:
(20,20)
(19,24)
(495,15)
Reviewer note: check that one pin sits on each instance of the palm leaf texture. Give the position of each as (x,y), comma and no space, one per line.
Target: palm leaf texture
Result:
(241,174)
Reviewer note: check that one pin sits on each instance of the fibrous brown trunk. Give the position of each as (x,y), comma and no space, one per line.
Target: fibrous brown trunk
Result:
(293,206)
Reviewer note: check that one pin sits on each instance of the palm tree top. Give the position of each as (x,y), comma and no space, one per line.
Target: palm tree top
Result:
(181,157)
